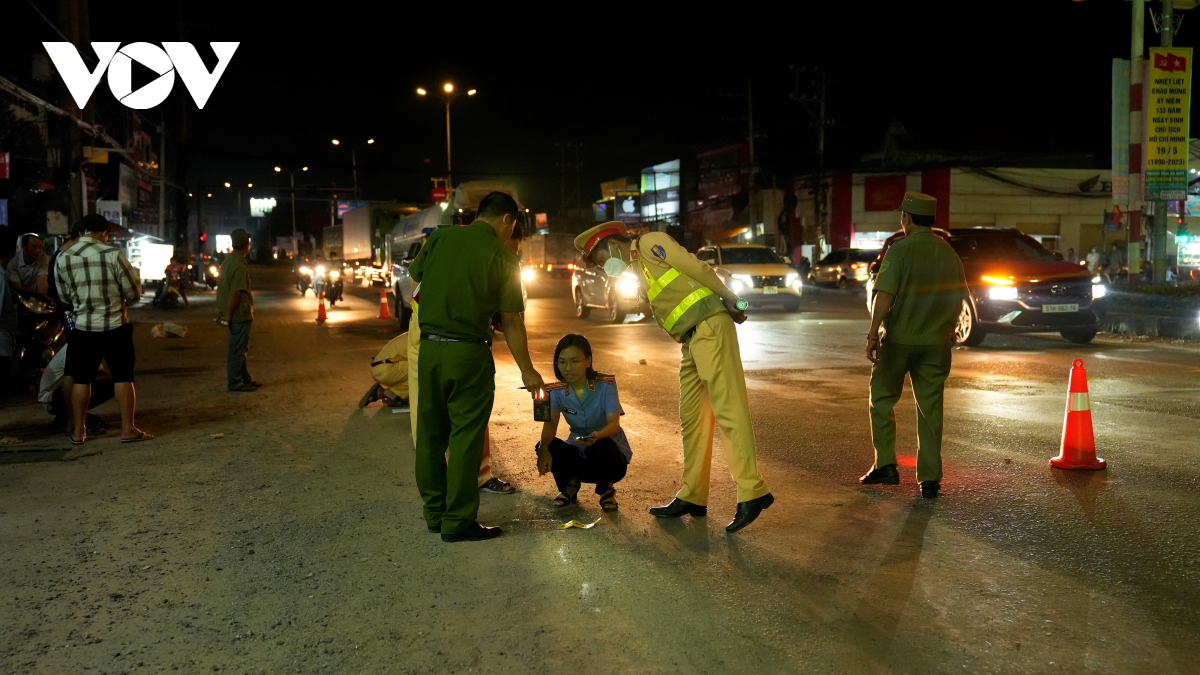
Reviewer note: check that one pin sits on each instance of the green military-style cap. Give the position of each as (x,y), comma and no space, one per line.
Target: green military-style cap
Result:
(919,204)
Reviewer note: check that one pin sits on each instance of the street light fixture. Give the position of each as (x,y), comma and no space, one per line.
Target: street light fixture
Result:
(447,95)
(292,184)
(353,162)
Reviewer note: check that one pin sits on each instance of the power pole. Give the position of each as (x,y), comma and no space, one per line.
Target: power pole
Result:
(1158,241)
(568,198)
(750,131)
(162,183)
(814,105)
(1136,191)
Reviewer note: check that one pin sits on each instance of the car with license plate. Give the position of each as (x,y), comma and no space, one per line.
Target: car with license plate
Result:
(844,268)
(1017,286)
(756,274)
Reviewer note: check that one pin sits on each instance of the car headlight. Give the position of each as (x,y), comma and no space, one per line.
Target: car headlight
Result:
(792,281)
(740,282)
(627,285)
(1099,291)
(307,271)
(320,270)
(214,271)
(1003,293)
(334,274)
(527,274)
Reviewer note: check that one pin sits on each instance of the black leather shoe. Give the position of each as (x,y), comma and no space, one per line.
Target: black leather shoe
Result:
(929,488)
(884,475)
(678,508)
(474,532)
(748,511)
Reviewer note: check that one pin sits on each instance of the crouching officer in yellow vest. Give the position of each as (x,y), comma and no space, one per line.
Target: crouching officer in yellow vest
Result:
(698,311)
(919,293)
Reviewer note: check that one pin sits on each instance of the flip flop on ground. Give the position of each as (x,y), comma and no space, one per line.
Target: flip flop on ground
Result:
(141,436)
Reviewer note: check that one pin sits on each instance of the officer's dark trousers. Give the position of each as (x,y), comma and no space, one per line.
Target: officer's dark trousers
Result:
(602,464)
(927,367)
(458,386)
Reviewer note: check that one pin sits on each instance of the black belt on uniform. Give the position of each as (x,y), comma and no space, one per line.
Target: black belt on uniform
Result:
(433,337)
(688,335)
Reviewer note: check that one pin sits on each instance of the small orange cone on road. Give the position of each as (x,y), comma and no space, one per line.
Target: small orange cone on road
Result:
(321,309)
(1078,449)
(384,311)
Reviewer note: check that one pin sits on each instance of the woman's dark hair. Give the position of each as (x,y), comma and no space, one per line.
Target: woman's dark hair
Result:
(579,342)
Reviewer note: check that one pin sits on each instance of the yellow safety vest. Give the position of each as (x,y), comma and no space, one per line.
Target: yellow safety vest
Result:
(678,301)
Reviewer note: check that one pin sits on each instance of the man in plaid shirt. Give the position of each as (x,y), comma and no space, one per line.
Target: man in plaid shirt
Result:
(99,284)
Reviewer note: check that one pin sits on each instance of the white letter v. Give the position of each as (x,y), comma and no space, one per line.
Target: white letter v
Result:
(199,82)
(73,70)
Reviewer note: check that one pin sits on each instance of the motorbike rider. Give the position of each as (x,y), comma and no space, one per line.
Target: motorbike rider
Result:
(28,268)
(172,279)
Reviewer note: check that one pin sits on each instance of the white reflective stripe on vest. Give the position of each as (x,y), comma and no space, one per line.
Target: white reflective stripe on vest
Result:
(1078,402)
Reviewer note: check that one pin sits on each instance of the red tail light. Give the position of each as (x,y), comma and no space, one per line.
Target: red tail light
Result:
(855,266)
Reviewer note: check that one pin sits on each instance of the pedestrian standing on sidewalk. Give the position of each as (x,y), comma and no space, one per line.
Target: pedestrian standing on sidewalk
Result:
(236,307)
(99,284)
(918,296)
(1093,260)
(466,274)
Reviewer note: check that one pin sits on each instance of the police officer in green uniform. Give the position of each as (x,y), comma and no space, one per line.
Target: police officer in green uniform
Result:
(918,296)
(466,275)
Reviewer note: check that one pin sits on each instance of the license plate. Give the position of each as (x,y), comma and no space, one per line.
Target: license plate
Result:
(1059,309)
(770,290)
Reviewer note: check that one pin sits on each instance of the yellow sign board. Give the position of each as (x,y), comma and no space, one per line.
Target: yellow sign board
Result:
(1168,107)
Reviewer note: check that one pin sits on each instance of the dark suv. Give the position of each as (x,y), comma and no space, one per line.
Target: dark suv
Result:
(1017,286)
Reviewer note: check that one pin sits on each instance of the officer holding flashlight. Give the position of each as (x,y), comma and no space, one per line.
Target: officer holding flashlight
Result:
(691,303)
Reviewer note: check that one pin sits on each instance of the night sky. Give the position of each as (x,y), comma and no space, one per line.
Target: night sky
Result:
(634,86)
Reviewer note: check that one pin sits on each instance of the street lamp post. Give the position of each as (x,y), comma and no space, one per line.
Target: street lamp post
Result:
(354,162)
(292,185)
(448,94)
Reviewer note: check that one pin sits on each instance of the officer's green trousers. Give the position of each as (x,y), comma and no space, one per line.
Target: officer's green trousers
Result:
(927,366)
(458,387)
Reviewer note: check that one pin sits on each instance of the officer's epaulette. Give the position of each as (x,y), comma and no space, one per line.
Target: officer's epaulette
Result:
(552,386)
(604,377)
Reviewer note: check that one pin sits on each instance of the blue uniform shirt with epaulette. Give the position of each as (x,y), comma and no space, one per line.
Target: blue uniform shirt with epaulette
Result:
(591,414)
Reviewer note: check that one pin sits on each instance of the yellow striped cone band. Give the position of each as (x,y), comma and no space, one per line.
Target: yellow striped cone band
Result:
(1078,403)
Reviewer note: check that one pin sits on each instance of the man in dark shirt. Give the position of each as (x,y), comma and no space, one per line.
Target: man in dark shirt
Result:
(466,274)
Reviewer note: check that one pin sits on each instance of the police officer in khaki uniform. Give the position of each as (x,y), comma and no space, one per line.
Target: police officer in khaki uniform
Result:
(918,296)
(697,310)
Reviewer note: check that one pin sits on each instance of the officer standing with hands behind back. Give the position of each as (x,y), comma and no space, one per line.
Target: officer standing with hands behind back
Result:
(691,303)
(919,294)
(466,275)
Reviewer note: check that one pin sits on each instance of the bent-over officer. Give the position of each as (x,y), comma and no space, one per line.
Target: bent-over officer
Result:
(691,303)
(918,296)
(466,275)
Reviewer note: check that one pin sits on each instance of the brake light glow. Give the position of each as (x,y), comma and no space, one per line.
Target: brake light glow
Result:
(855,266)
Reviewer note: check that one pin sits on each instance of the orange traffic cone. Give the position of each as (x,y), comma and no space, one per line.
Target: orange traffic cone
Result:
(384,311)
(321,308)
(1078,449)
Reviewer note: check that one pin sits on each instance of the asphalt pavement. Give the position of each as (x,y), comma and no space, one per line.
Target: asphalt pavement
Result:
(279,530)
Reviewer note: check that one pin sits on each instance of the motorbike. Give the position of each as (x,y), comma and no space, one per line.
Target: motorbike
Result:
(39,336)
(320,279)
(211,275)
(168,296)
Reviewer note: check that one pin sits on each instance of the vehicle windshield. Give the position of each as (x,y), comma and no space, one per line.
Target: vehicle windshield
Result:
(864,255)
(998,247)
(749,256)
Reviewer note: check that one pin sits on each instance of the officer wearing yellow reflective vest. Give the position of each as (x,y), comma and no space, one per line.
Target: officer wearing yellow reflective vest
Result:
(697,310)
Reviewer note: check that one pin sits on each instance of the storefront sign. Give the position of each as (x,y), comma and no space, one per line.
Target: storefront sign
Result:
(1167,110)
(626,206)
(261,207)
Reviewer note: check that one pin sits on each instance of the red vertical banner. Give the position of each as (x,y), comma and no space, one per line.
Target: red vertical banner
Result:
(3,165)
(936,183)
(841,221)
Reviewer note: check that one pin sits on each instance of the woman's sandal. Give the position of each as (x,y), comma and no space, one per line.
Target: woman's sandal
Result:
(565,499)
(561,501)
(608,501)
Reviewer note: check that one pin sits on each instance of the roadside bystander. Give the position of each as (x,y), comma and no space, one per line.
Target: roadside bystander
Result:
(27,271)
(235,305)
(100,285)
